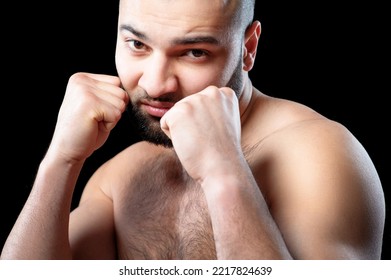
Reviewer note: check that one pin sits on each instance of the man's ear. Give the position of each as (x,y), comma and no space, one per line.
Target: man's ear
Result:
(251,39)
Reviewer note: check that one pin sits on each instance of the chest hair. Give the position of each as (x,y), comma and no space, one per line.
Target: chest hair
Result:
(164,214)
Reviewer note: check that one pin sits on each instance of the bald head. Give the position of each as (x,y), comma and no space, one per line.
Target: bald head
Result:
(244,12)
(241,11)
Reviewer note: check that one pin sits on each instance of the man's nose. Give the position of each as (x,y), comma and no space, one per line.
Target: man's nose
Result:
(158,77)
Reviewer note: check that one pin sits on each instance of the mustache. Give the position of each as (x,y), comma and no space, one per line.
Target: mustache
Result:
(141,94)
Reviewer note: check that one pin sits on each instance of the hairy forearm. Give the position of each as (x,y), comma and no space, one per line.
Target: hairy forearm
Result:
(41,230)
(242,224)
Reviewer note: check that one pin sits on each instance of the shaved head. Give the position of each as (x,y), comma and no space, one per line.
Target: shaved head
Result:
(242,11)
(244,15)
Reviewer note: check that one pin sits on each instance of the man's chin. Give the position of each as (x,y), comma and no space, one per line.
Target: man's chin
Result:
(157,137)
(164,143)
(149,128)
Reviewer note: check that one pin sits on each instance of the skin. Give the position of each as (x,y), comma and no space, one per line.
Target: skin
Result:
(253,177)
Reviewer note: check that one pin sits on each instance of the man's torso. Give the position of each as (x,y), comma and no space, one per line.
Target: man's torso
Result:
(164,214)
(161,213)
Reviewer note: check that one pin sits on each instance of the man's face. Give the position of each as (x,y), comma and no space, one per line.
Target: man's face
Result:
(167,50)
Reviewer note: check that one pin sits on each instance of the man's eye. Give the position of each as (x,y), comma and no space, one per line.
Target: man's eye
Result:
(136,45)
(197,53)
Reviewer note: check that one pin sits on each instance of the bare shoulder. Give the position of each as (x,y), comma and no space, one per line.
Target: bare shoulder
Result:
(321,185)
(279,129)
(118,172)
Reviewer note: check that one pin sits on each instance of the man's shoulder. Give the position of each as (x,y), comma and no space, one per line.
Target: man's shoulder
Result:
(279,121)
(135,161)
(285,135)
(130,160)
(307,135)
(137,154)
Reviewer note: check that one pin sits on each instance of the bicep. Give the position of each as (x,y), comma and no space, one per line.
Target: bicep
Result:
(330,225)
(328,201)
(91,228)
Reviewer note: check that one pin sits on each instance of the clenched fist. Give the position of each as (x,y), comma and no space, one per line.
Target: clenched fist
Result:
(205,130)
(92,106)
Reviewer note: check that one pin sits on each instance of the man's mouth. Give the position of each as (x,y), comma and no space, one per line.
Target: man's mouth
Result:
(156,108)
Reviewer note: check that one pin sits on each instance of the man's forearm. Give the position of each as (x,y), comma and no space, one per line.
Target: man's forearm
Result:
(41,230)
(242,224)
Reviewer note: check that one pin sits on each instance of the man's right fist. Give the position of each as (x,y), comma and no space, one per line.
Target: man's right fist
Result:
(92,106)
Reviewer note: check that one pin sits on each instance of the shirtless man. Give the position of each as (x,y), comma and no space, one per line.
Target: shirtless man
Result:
(225,171)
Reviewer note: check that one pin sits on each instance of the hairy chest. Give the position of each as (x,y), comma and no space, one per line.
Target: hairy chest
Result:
(163,215)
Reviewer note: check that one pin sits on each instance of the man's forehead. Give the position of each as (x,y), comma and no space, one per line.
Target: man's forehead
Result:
(216,8)
(180,17)
(223,3)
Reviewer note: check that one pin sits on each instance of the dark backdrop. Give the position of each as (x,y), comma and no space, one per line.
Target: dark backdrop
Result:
(325,56)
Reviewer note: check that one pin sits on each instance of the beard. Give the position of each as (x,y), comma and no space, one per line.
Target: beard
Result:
(148,127)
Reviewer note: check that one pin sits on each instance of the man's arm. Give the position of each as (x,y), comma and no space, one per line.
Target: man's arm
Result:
(242,224)
(327,198)
(324,198)
(92,106)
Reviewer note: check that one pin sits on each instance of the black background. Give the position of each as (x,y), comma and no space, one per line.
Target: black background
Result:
(327,56)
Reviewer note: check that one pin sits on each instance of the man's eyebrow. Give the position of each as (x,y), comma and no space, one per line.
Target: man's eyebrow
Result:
(196,40)
(132,30)
(177,41)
